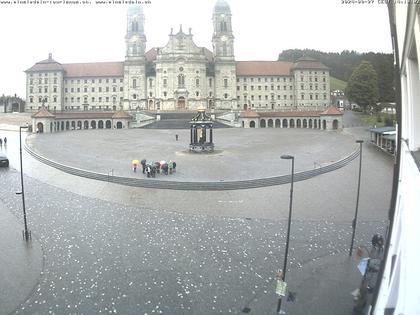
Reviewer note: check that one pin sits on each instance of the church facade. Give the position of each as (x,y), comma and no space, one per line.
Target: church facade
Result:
(179,76)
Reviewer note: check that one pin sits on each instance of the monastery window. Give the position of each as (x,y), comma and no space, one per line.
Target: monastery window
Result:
(165,82)
(46,81)
(238,88)
(301,86)
(40,81)
(224,49)
(278,79)
(272,88)
(100,80)
(134,83)
(121,89)
(223,26)
(181,80)
(100,99)
(271,79)
(31,99)
(78,90)
(65,99)
(134,96)
(245,87)
(285,97)
(151,94)
(92,89)
(302,96)
(226,95)
(238,80)
(93,100)
(40,89)
(40,99)
(259,97)
(278,87)
(150,83)
(31,89)
(72,99)
(323,72)
(55,80)
(66,90)
(107,81)
(325,96)
(290,87)
(114,89)
(310,79)
(197,82)
(55,99)
(324,86)
(107,89)
(316,96)
(316,79)
(46,89)
(252,88)
(259,79)
(55,89)
(272,97)
(31,81)
(316,86)
(310,86)
(323,79)
(100,89)
(85,100)
(114,99)
(85,81)
(197,94)
(252,79)
(121,80)
(85,89)
(291,97)
(284,87)
(114,80)
(301,78)
(225,83)
(284,79)
(93,80)
(252,97)
(210,94)
(244,79)
(121,99)
(165,94)
(78,81)
(265,79)
(78,99)
(310,96)
(259,87)
(290,79)
(266,97)
(210,82)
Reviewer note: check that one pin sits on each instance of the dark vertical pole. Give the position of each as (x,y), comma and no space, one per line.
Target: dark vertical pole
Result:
(289,221)
(211,135)
(21,182)
(191,135)
(357,198)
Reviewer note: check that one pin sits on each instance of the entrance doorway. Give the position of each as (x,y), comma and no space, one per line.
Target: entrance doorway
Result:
(181,103)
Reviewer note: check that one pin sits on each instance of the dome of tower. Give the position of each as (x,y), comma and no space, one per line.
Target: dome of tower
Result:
(135,9)
(221,6)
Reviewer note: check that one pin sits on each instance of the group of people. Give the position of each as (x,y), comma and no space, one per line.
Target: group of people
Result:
(153,168)
(3,141)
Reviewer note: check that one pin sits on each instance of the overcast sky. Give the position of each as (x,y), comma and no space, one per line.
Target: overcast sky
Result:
(262,29)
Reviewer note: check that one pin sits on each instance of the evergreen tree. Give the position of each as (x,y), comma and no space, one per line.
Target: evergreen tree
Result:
(362,87)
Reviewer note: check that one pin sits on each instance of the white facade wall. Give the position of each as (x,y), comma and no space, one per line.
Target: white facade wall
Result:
(312,89)
(44,88)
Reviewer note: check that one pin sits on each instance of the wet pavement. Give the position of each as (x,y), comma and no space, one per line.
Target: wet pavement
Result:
(126,250)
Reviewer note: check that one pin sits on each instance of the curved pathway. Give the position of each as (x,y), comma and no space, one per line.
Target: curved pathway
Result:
(178,185)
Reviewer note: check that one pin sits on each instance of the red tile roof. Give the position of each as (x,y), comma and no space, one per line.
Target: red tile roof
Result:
(46,65)
(95,69)
(121,114)
(151,54)
(84,115)
(309,63)
(331,111)
(257,68)
(248,114)
(43,113)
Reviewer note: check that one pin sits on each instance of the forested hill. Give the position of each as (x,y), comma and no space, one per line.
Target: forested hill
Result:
(342,65)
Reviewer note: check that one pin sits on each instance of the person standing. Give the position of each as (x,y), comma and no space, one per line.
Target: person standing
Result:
(5,140)
(143,165)
(176,137)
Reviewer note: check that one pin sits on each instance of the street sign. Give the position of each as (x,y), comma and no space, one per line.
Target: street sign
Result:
(281,288)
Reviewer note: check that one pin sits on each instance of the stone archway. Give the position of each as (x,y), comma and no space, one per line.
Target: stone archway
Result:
(40,127)
(285,124)
(262,123)
(324,124)
(305,123)
(335,124)
(79,124)
(151,105)
(270,123)
(101,124)
(181,103)
(292,123)
(277,123)
(298,123)
(119,125)
(252,124)
(67,125)
(86,124)
(310,123)
(108,124)
(93,124)
(73,125)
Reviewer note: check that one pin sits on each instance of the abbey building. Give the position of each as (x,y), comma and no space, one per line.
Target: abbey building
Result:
(178,76)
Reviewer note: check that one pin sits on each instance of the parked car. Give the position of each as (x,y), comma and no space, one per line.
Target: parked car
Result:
(4,161)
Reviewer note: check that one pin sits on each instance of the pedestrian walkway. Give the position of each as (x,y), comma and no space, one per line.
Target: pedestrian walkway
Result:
(20,263)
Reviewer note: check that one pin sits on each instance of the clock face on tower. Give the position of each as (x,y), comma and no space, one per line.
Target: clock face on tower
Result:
(224,38)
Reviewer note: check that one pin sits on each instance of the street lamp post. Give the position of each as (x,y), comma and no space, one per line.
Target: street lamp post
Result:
(283,275)
(353,225)
(26,232)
